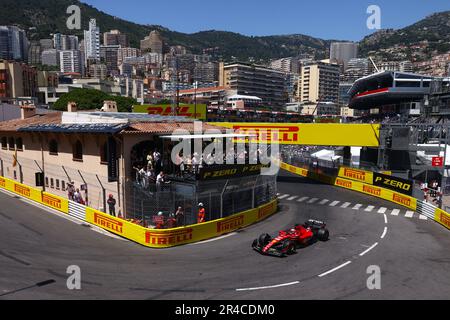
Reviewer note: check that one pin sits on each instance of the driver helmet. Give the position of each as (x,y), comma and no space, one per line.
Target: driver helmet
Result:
(160,213)
(200,204)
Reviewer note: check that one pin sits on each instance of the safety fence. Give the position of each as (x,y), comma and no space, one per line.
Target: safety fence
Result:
(155,238)
(362,181)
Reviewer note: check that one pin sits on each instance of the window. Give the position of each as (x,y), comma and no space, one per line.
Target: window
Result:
(19,144)
(51,183)
(53,147)
(46,182)
(4,143)
(57,184)
(11,144)
(77,151)
(104,153)
(63,185)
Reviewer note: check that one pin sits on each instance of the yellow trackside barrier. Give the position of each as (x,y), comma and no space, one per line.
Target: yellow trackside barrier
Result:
(356,174)
(325,134)
(163,238)
(155,238)
(442,217)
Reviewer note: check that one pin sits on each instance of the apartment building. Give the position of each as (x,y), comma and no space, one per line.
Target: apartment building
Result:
(254,80)
(319,82)
(17,80)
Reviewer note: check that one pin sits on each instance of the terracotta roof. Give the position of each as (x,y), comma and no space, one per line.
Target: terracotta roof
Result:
(165,127)
(14,125)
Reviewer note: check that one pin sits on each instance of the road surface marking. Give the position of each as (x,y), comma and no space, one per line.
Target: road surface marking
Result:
(368,249)
(357,206)
(324,201)
(422,217)
(382,210)
(384,232)
(334,269)
(369,208)
(302,199)
(409,214)
(333,203)
(213,239)
(395,212)
(291,198)
(283,196)
(269,287)
(385,218)
(312,200)
(345,205)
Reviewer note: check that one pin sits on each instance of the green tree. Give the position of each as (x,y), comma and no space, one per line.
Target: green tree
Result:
(90,99)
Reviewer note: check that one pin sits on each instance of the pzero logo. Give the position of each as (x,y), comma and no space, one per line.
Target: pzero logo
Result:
(344,183)
(2,183)
(401,199)
(445,220)
(270,133)
(51,201)
(22,190)
(173,237)
(108,223)
(355,174)
(230,223)
(266,210)
(372,190)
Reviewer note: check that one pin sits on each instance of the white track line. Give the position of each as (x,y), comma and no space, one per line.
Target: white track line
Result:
(395,212)
(291,198)
(334,269)
(357,206)
(213,239)
(369,208)
(422,217)
(368,249)
(324,201)
(409,214)
(385,218)
(269,287)
(384,232)
(283,196)
(302,199)
(312,200)
(382,210)
(345,205)
(333,203)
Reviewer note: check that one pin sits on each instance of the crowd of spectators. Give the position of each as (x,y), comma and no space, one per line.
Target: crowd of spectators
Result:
(74,193)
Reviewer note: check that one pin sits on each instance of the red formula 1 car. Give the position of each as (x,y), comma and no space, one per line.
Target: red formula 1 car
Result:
(289,240)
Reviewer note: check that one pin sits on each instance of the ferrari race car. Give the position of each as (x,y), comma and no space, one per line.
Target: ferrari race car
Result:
(289,240)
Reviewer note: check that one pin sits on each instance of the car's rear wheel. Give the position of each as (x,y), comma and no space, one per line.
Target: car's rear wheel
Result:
(323,234)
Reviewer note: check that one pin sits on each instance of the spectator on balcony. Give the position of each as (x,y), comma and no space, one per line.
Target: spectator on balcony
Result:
(157,161)
(160,181)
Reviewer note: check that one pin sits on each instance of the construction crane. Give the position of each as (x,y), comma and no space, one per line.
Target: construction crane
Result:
(374,65)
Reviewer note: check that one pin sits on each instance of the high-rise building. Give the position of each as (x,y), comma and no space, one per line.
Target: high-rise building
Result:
(50,57)
(115,38)
(206,72)
(17,80)
(71,61)
(153,43)
(108,56)
(46,44)
(126,52)
(319,82)
(13,43)
(357,68)
(92,41)
(98,70)
(342,52)
(254,80)
(286,65)
(34,53)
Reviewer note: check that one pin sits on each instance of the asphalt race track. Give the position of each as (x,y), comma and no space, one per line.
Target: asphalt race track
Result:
(412,253)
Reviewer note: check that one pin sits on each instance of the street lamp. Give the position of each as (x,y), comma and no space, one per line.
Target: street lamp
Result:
(195,99)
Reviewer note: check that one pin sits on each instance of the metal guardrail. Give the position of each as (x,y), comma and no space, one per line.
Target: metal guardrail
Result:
(426,209)
(77,210)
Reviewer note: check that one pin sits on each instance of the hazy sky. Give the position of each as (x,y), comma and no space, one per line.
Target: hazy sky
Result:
(327,19)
